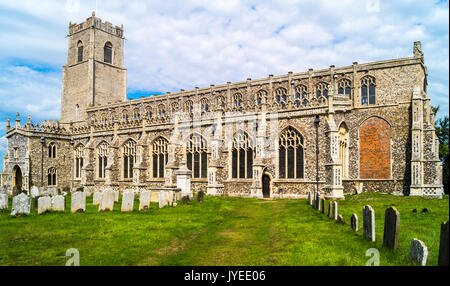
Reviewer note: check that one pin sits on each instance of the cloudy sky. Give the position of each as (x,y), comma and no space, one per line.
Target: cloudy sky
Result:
(182,44)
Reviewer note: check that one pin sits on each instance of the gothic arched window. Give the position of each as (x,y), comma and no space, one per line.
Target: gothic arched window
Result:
(125,116)
(51,177)
(159,156)
(174,107)
(367,90)
(204,104)
(242,156)
(161,111)
(261,97)
(290,154)
(344,87)
(108,53)
(197,156)
(281,97)
(52,150)
(80,51)
(322,90)
(129,158)
(78,158)
(189,107)
(148,112)
(136,114)
(237,102)
(102,153)
(301,95)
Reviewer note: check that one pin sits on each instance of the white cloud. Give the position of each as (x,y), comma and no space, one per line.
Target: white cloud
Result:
(183,44)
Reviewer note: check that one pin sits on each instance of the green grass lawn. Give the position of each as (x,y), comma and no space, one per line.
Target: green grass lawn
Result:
(219,231)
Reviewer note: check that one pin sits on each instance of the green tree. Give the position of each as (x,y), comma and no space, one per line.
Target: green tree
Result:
(442,132)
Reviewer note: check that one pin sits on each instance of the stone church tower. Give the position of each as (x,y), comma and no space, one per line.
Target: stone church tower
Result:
(94,73)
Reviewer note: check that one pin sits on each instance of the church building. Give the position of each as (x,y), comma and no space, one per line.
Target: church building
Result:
(365,127)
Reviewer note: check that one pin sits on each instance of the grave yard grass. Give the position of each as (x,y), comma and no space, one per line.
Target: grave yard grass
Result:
(220,231)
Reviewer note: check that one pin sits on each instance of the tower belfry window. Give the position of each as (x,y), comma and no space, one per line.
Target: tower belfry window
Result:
(108,53)
(80,51)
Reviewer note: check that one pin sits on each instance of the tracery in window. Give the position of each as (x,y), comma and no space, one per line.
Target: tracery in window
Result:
(102,153)
(129,158)
(367,90)
(197,156)
(159,156)
(242,156)
(78,161)
(281,97)
(290,154)
(344,87)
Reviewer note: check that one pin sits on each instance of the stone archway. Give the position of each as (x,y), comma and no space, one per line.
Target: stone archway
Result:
(266,183)
(17,176)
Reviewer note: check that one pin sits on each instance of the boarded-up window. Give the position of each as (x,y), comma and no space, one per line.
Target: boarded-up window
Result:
(375,149)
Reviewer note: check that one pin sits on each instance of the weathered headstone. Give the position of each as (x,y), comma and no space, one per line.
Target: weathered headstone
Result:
(3,201)
(369,222)
(391,228)
(323,205)
(44,204)
(418,252)
(106,201)
(354,222)
(127,201)
(144,200)
(329,214)
(97,198)
(335,210)
(58,203)
(21,204)
(309,198)
(78,203)
(340,219)
(116,196)
(443,246)
(162,199)
(34,192)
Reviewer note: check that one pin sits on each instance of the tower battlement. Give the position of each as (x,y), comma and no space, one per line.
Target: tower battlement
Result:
(98,24)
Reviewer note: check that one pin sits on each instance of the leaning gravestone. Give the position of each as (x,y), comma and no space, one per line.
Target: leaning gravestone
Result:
(144,200)
(21,204)
(3,201)
(335,210)
(162,199)
(58,203)
(418,252)
(127,201)
(309,198)
(78,203)
(34,192)
(44,204)
(97,198)
(340,219)
(354,222)
(391,228)
(323,205)
(369,222)
(107,201)
(443,247)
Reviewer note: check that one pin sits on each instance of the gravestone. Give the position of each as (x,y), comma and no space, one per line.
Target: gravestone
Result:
(107,201)
(170,198)
(44,204)
(78,203)
(97,198)
(340,219)
(34,192)
(354,222)
(335,210)
(35,202)
(162,199)
(21,204)
(317,201)
(58,203)
(391,228)
(369,222)
(329,209)
(309,198)
(127,201)
(144,200)
(418,252)
(116,196)
(323,205)
(443,246)
(3,201)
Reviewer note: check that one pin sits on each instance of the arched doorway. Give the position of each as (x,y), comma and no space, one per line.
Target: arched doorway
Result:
(17,176)
(266,186)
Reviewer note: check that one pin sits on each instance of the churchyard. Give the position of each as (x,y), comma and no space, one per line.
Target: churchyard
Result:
(221,231)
